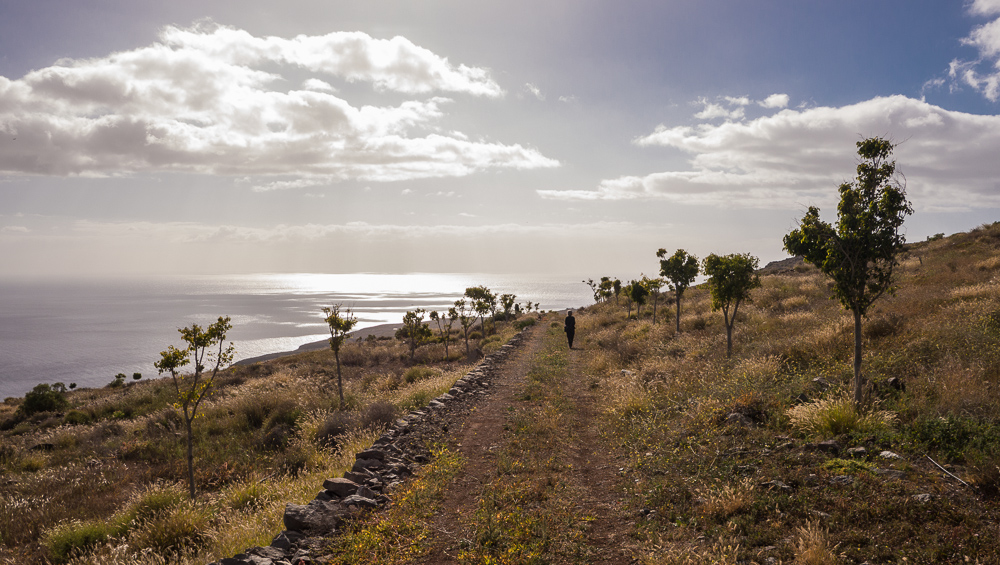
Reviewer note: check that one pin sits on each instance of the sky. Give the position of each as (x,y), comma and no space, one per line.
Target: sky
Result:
(559,137)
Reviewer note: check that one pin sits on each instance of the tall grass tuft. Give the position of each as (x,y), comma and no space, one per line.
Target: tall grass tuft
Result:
(830,417)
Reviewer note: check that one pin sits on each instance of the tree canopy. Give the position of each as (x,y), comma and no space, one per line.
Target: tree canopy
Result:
(681,269)
(731,278)
(859,254)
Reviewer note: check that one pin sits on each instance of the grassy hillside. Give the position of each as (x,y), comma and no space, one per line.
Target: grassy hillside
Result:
(730,460)
(101,477)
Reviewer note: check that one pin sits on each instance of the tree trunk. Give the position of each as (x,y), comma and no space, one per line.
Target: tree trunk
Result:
(678,297)
(729,332)
(340,381)
(190,456)
(857,360)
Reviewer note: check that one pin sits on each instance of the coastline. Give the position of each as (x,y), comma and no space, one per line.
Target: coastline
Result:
(381,330)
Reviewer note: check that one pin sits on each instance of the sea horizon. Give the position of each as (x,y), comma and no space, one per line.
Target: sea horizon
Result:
(85,330)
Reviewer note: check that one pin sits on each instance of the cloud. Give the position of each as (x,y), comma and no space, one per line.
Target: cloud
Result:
(534,91)
(215,100)
(982,74)
(199,233)
(774,101)
(14,229)
(799,157)
(710,110)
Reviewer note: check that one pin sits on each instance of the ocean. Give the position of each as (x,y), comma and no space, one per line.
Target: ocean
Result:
(87,331)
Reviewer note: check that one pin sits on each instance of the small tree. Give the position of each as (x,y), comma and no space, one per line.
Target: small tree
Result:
(605,288)
(595,288)
(860,253)
(731,278)
(637,293)
(507,302)
(414,330)
(484,302)
(340,327)
(681,270)
(466,317)
(616,287)
(207,348)
(444,327)
(653,286)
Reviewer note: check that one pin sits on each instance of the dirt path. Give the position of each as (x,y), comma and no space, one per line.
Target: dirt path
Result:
(593,471)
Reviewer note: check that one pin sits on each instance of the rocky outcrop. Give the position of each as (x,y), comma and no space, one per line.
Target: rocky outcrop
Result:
(376,471)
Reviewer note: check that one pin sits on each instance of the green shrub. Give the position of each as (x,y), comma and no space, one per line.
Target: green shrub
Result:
(416,374)
(955,437)
(525,323)
(118,382)
(72,538)
(285,413)
(44,398)
(77,417)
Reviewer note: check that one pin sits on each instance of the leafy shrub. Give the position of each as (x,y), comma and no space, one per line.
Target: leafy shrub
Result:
(525,323)
(77,417)
(118,382)
(830,417)
(71,538)
(476,335)
(44,398)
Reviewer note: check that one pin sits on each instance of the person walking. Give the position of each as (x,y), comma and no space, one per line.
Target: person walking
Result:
(570,328)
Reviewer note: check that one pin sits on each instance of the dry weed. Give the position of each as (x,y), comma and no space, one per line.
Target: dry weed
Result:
(830,417)
(728,500)
(812,546)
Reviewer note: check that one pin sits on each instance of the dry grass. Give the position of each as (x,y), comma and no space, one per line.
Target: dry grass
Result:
(268,435)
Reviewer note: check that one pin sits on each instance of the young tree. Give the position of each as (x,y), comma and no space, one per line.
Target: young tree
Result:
(483,302)
(507,302)
(616,287)
(414,330)
(653,286)
(444,327)
(605,288)
(206,347)
(680,269)
(637,292)
(340,328)
(860,253)
(466,317)
(731,278)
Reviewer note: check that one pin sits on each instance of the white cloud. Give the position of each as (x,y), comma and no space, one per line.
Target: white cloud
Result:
(985,7)
(568,99)
(774,101)
(738,101)
(211,101)
(710,111)
(982,74)
(534,91)
(14,229)
(317,85)
(799,157)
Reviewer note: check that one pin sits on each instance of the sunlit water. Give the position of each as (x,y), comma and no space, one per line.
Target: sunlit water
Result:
(86,332)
